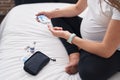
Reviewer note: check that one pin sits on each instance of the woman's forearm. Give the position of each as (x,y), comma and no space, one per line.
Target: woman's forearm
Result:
(66,12)
(72,10)
(97,48)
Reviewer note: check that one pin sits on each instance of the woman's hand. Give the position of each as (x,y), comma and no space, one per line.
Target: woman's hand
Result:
(48,14)
(59,32)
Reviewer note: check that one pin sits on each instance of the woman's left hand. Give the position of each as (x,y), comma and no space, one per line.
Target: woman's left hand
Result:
(59,32)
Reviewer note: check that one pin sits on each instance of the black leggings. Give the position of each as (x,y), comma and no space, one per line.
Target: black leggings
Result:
(72,25)
(91,67)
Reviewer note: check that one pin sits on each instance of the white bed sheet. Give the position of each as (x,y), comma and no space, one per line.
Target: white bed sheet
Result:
(18,30)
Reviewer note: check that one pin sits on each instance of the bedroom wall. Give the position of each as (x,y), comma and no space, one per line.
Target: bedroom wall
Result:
(5,6)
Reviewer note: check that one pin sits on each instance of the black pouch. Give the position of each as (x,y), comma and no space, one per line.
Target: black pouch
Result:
(36,62)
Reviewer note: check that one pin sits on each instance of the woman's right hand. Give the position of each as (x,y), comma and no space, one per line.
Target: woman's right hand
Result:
(49,14)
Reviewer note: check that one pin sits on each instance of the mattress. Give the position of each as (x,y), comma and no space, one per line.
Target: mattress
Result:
(18,30)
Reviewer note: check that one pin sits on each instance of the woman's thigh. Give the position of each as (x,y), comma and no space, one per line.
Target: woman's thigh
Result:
(92,67)
(72,24)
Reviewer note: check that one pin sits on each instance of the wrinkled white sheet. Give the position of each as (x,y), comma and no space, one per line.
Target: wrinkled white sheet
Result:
(20,29)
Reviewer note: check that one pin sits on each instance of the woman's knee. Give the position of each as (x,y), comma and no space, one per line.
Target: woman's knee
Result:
(88,73)
(93,74)
(95,68)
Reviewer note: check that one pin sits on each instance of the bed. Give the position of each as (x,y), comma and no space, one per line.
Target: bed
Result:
(18,30)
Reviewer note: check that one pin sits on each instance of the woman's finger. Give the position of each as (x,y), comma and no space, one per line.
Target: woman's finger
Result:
(50,28)
(55,28)
(37,19)
(40,13)
(58,28)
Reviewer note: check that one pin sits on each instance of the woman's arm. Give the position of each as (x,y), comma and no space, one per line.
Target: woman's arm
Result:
(73,10)
(70,11)
(105,49)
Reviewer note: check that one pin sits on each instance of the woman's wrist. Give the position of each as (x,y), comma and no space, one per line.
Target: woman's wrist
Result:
(69,36)
(55,13)
(70,39)
(66,35)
